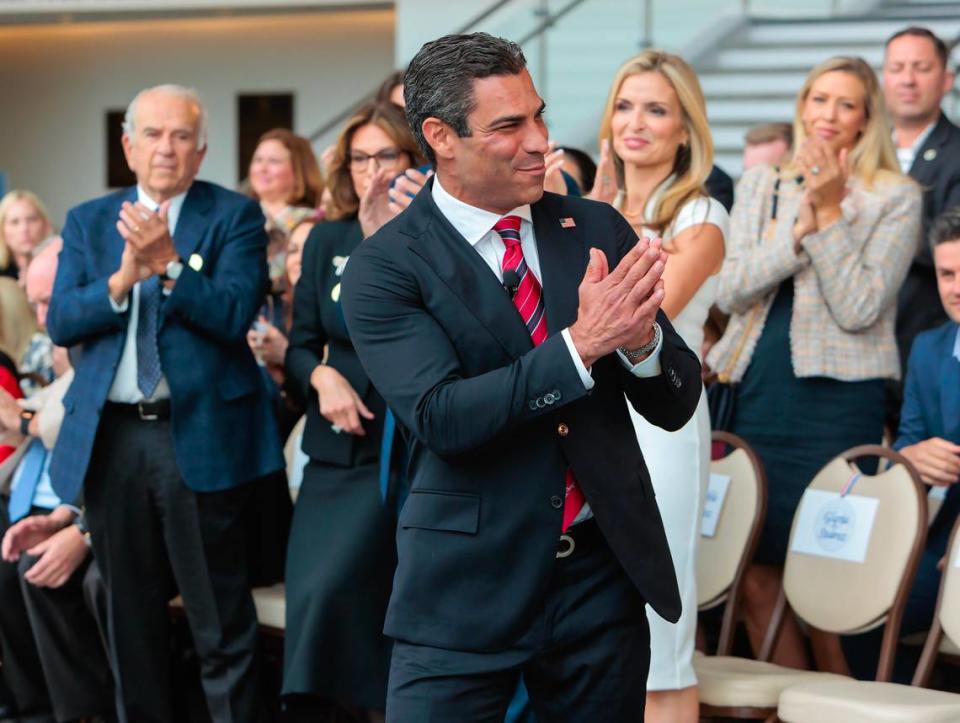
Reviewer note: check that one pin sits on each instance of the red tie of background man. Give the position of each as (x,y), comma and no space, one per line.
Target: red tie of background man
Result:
(529,302)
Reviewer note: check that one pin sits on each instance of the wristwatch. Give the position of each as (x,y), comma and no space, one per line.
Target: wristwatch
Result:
(636,355)
(25,416)
(173,270)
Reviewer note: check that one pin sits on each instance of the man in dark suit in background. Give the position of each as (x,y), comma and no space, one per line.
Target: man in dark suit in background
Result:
(167,419)
(915,80)
(531,538)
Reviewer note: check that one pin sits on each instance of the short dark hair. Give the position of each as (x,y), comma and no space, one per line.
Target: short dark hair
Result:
(439,80)
(920,32)
(946,227)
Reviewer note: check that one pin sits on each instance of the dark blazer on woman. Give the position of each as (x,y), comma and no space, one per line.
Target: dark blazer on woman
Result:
(318,322)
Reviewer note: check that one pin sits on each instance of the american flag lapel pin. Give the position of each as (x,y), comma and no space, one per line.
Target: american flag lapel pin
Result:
(568,222)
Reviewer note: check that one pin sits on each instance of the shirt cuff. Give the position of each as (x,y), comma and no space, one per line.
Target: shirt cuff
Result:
(649,367)
(121,307)
(577,361)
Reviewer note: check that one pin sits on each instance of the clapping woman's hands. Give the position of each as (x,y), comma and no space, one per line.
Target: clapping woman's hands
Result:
(605,180)
(825,176)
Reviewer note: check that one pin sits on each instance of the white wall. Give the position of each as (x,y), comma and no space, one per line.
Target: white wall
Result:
(56,82)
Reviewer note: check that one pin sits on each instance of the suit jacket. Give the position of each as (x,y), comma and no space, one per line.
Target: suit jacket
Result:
(224,431)
(931,408)
(494,422)
(318,324)
(937,169)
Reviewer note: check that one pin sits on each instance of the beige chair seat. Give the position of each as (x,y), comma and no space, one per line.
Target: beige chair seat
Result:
(271,603)
(866,702)
(740,682)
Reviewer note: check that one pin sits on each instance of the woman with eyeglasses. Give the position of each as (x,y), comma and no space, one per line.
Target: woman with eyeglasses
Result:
(341,556)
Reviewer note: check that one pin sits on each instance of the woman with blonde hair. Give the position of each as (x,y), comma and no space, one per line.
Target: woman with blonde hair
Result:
(655,130)
(24,223)
(816,254)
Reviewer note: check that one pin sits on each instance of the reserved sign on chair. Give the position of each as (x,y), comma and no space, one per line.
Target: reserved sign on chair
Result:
(717,489)
(829,525)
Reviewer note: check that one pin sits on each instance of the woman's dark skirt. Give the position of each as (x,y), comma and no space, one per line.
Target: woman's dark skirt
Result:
(340,566)
(797,425)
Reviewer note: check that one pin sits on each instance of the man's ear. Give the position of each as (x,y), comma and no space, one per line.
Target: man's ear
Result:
(440,137)
(127,144)
(948,79)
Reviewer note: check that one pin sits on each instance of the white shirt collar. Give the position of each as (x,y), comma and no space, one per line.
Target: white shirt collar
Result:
(473,223)
(176,205)
(956,345)
(921,139)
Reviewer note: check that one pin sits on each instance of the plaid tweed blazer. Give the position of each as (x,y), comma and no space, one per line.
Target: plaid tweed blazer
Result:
(846,277)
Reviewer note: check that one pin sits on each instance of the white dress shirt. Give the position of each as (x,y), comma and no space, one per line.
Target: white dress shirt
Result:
(124,388)
(476,226)
(907,156)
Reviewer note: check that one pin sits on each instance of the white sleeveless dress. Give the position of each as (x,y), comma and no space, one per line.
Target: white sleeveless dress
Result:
(679,465)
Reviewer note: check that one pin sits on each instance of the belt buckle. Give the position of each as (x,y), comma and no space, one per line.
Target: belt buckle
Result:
(571,546)
(146,416)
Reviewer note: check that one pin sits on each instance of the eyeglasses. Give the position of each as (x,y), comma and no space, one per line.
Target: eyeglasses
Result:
(387,158)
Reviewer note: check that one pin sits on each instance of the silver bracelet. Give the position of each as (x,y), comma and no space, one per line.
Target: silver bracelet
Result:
(635,355)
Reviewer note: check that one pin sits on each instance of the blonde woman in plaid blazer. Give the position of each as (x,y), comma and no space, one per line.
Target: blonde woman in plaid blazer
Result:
(816,253)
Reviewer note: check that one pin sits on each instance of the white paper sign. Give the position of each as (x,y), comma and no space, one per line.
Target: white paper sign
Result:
(833,526)
(717,489)
(956,554)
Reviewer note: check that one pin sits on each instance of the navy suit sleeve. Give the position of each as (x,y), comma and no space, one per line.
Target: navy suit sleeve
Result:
(413,364)
(307,335)
(223,305)
(660,399)
(80,306)
(913,426)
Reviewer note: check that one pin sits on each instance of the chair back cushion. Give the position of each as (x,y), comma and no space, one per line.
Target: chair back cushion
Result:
(842,596)
(950,602)
(718,557)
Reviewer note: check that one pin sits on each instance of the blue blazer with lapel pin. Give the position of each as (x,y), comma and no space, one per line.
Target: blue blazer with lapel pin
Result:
(223,427)
(931,408)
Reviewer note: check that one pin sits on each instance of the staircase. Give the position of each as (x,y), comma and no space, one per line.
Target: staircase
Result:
(753,77)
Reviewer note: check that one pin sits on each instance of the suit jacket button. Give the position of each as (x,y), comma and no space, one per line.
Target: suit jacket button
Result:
(563,430)
(556,501)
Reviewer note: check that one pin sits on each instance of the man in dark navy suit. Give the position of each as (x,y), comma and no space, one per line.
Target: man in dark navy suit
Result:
(166,419)
(915,80)
(505,326)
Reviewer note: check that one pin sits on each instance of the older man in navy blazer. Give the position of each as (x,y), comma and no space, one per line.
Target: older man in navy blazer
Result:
(166,419)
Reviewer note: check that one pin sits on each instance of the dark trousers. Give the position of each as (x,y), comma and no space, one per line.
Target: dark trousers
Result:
(18,651)
(584,657)
(71,650)
(151,535)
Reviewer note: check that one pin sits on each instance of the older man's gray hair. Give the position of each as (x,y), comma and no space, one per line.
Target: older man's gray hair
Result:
(180,91)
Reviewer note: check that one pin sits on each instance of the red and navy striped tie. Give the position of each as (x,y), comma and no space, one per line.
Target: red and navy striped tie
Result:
(529,302)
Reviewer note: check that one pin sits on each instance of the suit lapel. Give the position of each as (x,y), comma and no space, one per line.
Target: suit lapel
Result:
(949,385)
(563,258)
(194,220)
(462,269)
(923,170)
